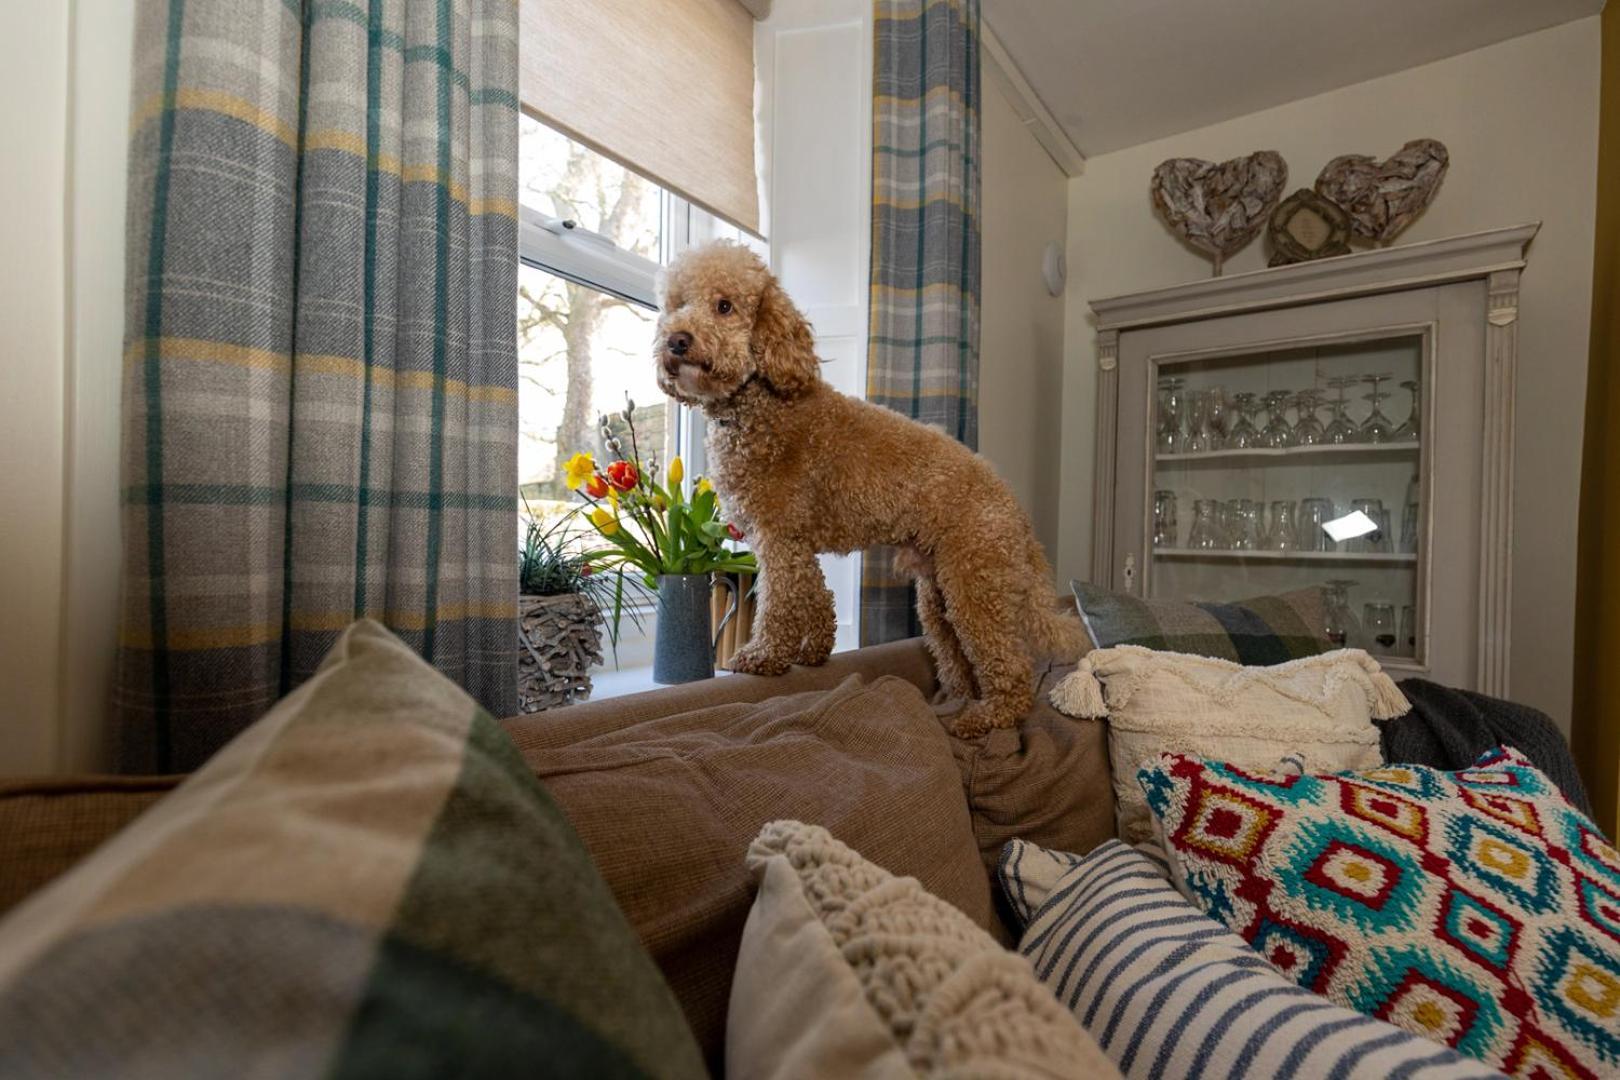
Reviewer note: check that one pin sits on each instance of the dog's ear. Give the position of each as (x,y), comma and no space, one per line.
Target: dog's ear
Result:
(783,348)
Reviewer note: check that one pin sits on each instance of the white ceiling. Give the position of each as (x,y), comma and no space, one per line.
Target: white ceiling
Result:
(1120,72)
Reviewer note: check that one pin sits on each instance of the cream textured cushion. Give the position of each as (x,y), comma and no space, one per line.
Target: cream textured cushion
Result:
(1317,712)
(849,971)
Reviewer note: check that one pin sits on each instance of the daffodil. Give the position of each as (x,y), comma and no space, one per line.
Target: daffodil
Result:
(677,471)
(703,485)
(606,522)
(577,470)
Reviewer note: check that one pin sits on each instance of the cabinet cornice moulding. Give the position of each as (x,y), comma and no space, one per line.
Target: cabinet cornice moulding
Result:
(1430,262)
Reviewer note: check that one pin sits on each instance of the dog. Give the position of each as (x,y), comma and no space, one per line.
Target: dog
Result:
(803,469)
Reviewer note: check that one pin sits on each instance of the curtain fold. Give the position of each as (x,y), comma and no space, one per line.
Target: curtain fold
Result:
(320,387)
(923,347)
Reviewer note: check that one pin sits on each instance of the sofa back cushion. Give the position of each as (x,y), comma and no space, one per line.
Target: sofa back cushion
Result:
(47,825)
(668,806)
(368,880)
(1259,630)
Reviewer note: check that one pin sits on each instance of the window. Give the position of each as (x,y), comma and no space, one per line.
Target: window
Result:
(592,236)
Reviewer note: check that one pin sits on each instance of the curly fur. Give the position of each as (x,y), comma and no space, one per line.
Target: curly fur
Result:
(804,470)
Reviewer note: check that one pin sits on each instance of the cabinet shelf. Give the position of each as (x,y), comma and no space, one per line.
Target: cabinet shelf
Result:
(1327,452)
(1221,555)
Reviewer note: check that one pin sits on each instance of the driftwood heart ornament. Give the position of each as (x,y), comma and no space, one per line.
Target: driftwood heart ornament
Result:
(1382,197)
(1218,208)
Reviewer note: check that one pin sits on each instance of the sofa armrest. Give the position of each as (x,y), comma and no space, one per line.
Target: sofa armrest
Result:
(906,659)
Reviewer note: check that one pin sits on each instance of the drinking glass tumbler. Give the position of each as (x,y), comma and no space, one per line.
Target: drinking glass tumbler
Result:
(1165,529)
(1313,514)
(1282,533)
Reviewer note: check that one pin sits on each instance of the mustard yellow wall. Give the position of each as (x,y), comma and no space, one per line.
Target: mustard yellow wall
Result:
(1596,729)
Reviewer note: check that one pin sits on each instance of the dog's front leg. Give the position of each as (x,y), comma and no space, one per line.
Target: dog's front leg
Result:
(796,622)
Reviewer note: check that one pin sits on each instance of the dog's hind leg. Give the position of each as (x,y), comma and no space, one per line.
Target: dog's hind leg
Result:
(950,662)
(985,611)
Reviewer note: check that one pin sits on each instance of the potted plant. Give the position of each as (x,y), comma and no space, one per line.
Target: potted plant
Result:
(675,542)
(560,606)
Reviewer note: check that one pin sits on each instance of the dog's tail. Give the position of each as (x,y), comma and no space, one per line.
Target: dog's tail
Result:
(1058,634)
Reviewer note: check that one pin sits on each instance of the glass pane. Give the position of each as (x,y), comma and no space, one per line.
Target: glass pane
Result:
(581,354)
(564,179)
(1280,470)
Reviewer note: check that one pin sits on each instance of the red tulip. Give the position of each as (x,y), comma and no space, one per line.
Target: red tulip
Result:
(622,475)
(597,486)
(587,570)
(736,533)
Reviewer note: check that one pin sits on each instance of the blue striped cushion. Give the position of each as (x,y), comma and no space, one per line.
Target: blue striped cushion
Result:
(1168,992)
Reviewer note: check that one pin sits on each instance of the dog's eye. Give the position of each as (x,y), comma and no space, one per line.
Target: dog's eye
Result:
(724,306)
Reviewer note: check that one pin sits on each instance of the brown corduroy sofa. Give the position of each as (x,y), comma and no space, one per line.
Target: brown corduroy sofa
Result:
(667,787)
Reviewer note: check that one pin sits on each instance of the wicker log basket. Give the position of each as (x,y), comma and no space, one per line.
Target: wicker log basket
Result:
(559,641)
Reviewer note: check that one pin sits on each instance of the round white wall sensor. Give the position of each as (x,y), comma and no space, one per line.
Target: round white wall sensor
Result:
(1054,268)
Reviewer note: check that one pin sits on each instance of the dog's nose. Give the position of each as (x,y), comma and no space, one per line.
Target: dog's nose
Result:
(679,342)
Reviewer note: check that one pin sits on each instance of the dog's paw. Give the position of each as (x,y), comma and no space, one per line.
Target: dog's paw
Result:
(978,718)
(749,660)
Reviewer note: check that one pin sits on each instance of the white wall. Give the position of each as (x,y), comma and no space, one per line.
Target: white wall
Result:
(61,329)
(1023,207)
(1520,120)
(33,128)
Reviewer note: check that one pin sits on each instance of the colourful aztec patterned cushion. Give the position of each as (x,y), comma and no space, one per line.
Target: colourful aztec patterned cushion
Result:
(368,881)
(1477,907)
(1258,631)
(1169,992)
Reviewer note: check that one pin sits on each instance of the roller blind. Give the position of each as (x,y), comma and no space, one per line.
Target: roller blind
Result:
(664,86)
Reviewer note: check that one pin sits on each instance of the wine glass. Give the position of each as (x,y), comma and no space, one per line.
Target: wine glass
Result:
(1341,429)
(1378,618)
(1377,428)
(1341,622)
(1172,415)
(1201,436)
(1277,432)
(1409,629)
(1244,435)
(1219,416)
(1308,430)
(1408,431)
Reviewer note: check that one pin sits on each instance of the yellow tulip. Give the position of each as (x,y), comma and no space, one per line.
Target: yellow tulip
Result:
(577,470)
(660,503)
(703,485)
(606,523)
(677,471)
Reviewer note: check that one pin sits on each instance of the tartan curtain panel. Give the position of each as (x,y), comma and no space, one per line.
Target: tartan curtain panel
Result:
(320,386)
(923,350)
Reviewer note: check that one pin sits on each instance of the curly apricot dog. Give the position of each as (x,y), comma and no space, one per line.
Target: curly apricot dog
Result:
(805,469)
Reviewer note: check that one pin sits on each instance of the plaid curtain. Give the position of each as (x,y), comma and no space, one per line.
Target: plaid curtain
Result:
(320,387)
(923,355)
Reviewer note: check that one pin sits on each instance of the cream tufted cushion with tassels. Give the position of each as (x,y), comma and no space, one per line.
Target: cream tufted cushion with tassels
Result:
(1318,710)
(848,971)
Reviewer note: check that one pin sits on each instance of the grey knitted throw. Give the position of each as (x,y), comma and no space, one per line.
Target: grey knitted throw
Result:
(1449,729)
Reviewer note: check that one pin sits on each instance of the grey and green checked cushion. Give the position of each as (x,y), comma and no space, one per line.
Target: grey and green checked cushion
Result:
(368,881)
(1260,631)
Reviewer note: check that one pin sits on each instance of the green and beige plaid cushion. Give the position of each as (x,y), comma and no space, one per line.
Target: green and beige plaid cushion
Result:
(367,881)
(1259,631)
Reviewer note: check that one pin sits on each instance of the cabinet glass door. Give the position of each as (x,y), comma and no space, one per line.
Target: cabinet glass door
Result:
(1278,470)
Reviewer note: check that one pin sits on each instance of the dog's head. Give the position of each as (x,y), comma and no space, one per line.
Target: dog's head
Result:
(724,320)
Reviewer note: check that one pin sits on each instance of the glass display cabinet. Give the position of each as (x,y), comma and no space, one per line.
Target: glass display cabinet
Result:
(1346,424)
